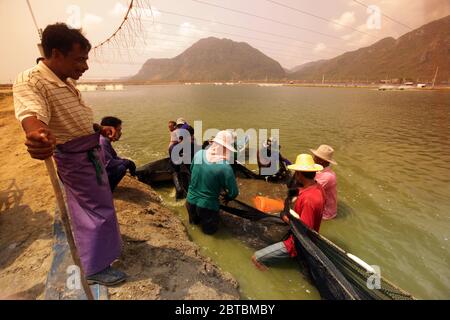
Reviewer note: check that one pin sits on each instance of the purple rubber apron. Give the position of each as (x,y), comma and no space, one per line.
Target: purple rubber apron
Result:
(89,198)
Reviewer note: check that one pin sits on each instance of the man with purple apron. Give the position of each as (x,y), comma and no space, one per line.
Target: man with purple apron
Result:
(57,122)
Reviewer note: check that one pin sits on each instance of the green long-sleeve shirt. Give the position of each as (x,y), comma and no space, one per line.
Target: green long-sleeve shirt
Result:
(208,180)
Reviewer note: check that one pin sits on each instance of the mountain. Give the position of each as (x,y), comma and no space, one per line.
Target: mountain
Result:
(213,59)
(414,56)
(303,66)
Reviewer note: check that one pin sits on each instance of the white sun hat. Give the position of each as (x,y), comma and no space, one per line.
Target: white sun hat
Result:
(225,138)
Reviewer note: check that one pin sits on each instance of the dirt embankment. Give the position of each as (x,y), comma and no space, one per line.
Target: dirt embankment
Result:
(158,256)
(26,213)
(161,261)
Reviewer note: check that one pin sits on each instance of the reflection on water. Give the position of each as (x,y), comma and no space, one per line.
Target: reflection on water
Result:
(393,175)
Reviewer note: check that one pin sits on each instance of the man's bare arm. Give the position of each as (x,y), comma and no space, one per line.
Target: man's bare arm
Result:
(40,141)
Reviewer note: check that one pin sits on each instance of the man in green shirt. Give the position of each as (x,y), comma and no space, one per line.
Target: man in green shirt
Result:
(211,173)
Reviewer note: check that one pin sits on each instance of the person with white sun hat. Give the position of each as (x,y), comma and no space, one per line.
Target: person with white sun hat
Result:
(211,175)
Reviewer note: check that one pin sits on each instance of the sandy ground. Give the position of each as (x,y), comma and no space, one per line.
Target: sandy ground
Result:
(26,213)
(161,261)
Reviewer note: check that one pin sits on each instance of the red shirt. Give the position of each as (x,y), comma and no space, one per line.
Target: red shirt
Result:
(309,206)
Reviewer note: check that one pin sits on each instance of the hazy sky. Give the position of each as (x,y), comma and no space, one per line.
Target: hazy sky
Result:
(275,27)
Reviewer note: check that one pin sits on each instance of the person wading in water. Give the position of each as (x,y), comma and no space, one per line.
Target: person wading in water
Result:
(211,174)
(309,207)
(323,155)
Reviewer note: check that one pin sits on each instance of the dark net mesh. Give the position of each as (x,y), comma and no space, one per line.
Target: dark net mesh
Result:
(162,171)
(336,276)
(313,247)
(246,211)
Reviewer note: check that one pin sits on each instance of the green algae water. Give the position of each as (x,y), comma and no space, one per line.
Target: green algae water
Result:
(393,150)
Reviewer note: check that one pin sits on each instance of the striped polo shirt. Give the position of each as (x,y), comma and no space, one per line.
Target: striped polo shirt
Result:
(39,92)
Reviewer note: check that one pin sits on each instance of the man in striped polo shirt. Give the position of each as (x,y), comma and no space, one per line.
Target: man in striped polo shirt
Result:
(58,123)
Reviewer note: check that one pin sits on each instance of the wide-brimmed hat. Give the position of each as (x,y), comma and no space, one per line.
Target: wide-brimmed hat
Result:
(324,152)
(305,163)
(225,138)
(180,121)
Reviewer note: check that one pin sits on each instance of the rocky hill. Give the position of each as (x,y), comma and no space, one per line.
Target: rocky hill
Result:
(213,59)
(414,56)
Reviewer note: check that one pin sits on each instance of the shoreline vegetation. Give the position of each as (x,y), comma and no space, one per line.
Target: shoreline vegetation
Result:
(160,259)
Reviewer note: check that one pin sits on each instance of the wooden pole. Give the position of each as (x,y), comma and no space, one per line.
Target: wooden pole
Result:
(66,223)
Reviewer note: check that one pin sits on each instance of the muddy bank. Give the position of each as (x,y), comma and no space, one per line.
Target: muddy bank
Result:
(158,256)
(161,261)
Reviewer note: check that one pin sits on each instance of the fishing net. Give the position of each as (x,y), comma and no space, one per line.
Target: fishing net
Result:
(266,228)
(329,281)
(252,226)
(129,40)
(246,211)
(242,172)
(335,274)
(162,171)
(155,171)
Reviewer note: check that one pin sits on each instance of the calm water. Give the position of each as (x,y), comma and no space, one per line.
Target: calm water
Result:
(393,150)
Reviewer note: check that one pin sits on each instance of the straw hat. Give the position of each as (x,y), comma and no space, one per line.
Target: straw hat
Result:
(324,152)
(225,138)
(180,121)
(305,163)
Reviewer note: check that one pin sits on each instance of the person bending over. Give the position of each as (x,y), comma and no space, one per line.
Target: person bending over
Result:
(211,175)
(309,207)
(116,167)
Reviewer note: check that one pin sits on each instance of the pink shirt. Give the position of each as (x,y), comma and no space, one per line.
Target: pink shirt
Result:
(173,137)
(327,179)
